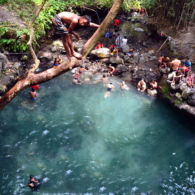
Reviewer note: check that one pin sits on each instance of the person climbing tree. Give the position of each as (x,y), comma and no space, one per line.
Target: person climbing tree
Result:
(64,23)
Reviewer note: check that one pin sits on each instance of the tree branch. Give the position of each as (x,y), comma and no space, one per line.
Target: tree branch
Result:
(36,60)
(32,78)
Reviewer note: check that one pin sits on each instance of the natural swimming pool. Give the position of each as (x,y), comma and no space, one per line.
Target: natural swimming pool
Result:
(78,142)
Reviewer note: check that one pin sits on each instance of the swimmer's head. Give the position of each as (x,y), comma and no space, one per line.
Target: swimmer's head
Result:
(31,176)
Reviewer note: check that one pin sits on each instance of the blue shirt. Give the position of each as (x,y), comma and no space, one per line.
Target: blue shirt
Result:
(188,64)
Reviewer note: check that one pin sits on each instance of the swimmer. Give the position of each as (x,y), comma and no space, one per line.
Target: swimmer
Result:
(110,87)
(76,81)
(34,183)
(104,78)
(33,94)
(141,86)
(124,86)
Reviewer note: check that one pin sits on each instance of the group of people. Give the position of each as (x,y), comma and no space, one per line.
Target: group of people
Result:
(152,88)
(177,71)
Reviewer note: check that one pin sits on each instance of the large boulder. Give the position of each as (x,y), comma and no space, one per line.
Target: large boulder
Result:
(4,63)
(101,53)
(183,44)
(125,48)
(116,60)
(191,100)
(79,45)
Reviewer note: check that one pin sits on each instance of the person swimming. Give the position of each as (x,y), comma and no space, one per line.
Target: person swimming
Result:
(124,86)
(34,183)
(110,87)
(33,94)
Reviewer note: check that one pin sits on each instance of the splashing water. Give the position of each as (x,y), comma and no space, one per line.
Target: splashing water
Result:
(78,142)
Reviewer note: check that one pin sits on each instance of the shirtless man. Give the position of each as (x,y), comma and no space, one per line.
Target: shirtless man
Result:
(64,23)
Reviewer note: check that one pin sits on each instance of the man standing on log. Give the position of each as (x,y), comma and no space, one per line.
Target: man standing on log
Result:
(64,23)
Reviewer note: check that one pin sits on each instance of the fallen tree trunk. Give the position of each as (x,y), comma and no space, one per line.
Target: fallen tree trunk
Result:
(33,78)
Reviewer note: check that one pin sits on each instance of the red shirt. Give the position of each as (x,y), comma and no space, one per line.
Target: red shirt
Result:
(116,22)
(35,87)
(99,45)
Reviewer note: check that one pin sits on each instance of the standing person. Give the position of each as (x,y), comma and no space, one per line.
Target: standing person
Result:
(64,23)
(118,43)
(124,41)
(116,22)
(188,63)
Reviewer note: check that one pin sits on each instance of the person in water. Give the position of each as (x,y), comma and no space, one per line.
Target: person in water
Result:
(35,87)
(34,183)
(33,93)
(64,23)
(124,86)
(141,86)
(57,61)
(110,87)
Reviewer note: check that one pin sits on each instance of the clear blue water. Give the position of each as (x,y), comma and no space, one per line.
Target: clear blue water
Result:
(78,142)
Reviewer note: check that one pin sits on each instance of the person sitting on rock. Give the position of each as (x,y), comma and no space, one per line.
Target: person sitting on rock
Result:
(177,78)
(111,70)
(57,61)
(124,86)
(184,69)
(141,86)
(33,94)
(64,23)
(112,49)
(152,91)
(99,45)
(131,53)
(190,80)
(175,64)
(188,63)
(33,183)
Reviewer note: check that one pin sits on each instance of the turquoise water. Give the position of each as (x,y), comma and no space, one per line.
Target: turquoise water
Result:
(78,142)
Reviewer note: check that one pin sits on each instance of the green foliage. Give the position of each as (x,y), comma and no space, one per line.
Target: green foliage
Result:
(165,90)
(25,9)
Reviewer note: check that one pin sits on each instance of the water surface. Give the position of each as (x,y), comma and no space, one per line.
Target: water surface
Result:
(78,142)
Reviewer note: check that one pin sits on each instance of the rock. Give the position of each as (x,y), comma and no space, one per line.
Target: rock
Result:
(101,53)
(191,100)
(45,56)
(151,52)
(58,45)
(178,95)
(125,48)
(183,44)
(24,58)
(4,63)
(139,29)
(17,65)
(116,60)
(79,45)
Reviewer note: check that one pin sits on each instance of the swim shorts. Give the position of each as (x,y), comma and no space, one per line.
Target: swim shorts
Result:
(60,27)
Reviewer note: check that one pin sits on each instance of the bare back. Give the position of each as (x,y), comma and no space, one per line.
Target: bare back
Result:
(68,17)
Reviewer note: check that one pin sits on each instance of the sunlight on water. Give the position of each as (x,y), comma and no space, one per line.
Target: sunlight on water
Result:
(78,142)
